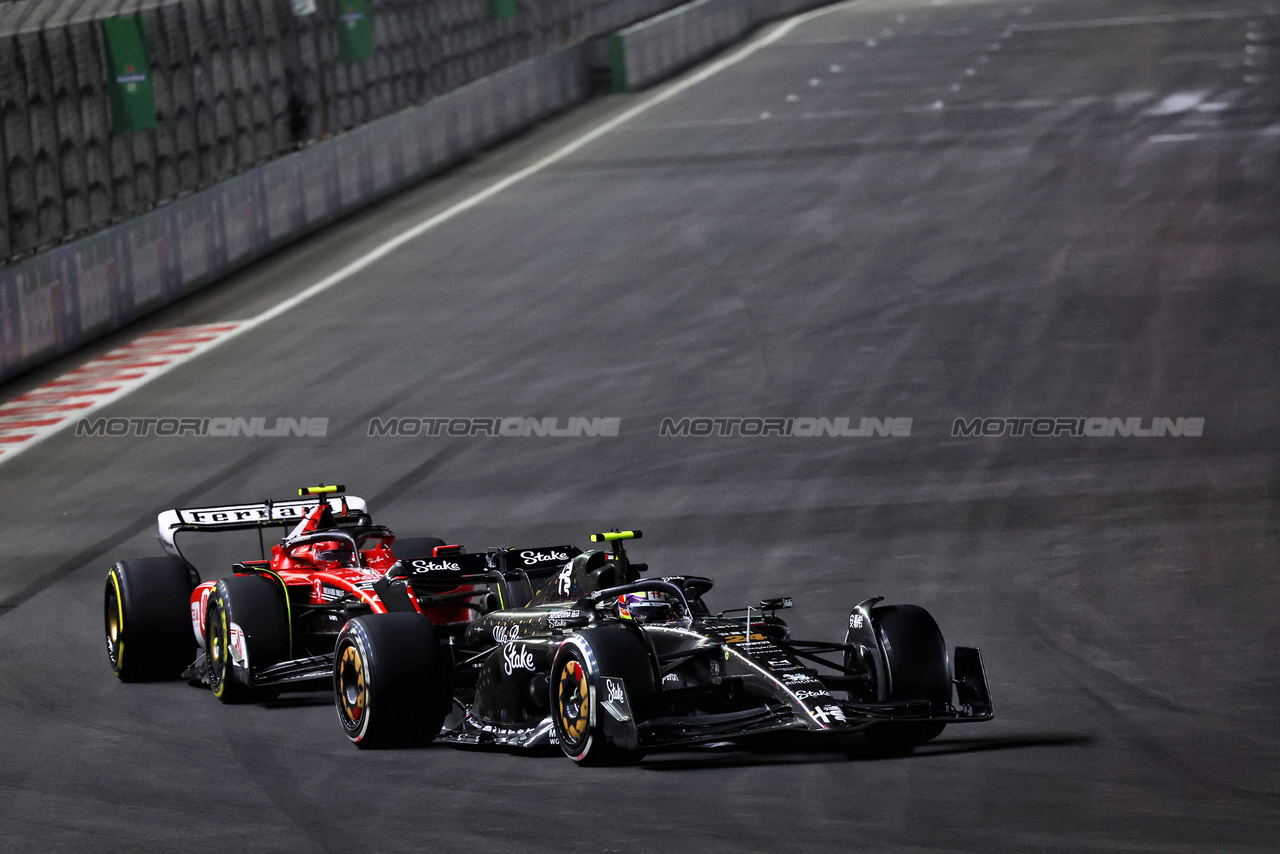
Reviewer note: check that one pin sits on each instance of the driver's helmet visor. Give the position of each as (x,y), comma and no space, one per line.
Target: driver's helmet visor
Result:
(333,550)
(646,606)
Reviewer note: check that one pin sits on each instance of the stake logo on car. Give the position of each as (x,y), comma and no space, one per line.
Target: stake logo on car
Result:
(615,691)
(531,558)
(434,566)
(561,619)
(809,695)
(516,657)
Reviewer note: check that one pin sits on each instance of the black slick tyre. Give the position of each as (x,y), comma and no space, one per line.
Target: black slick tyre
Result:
(392,680)
(246,629)
(580,673)
(147,618)
(919,669)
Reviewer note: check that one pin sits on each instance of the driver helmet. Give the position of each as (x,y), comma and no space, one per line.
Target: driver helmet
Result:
(332,550)
(646,606)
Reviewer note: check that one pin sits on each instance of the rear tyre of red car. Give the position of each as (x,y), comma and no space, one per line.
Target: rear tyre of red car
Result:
(392,680)
(588,732)
(147,618)
(919,669)
(246,630)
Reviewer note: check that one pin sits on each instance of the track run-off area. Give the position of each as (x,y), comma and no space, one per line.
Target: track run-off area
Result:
(916,213)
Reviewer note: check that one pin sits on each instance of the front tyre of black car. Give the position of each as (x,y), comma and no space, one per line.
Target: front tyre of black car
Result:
(577,686)
(392,681)
(147,618)
(251,607)
(919,669)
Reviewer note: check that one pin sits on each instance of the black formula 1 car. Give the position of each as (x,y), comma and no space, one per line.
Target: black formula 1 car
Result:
(609,666)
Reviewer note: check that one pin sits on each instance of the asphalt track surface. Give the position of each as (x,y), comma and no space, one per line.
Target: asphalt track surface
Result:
(1058,209)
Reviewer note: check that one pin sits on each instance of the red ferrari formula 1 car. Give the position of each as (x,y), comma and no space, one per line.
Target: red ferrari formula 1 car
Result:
(273,625)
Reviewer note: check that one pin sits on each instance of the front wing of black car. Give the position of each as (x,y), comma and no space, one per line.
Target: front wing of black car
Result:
(769,718)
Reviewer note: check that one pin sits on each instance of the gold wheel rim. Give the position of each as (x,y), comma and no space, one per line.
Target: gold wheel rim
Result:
(574,710)
(218,642)
(114,625)
(352,692)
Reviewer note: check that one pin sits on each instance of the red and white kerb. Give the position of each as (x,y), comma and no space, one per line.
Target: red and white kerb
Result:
(45,410)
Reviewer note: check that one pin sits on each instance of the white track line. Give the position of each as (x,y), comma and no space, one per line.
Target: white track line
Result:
(240,327)
(1133,21)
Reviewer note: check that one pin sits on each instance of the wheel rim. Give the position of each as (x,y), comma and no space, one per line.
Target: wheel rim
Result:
(573,706)
(217,650)
(352,693)
(114,624)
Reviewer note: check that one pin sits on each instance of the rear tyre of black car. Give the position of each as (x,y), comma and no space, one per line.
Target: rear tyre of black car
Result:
(246,630)
(919,669)
(578,691)
(392,680)
(147,618)
(415,548)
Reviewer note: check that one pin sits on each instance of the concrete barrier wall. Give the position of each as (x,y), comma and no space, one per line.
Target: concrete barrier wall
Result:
(237,83)
(654,49)
(58,300)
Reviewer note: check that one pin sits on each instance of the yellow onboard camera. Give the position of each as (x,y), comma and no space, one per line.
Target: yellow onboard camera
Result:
(321,490)
(612,536)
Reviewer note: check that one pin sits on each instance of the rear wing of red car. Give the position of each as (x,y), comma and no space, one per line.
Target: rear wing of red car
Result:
(246,517)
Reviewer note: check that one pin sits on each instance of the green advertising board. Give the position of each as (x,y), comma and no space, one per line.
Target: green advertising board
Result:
(355,29)
(502,9)
(133,99)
